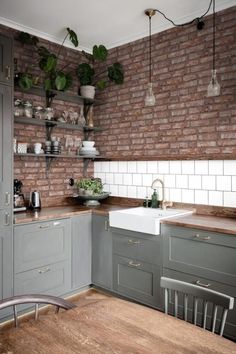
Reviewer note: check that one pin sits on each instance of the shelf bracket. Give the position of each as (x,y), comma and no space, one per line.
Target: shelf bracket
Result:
(49,160)
(49,128)
(86,163)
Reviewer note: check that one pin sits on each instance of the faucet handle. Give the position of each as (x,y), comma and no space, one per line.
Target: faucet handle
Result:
(165,204)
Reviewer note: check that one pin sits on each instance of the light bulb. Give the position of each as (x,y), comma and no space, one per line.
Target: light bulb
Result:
(150,98)
(214,86)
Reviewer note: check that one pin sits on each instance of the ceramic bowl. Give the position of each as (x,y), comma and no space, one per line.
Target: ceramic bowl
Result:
(88,144)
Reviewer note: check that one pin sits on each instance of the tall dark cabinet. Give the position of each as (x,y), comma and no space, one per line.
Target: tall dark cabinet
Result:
(6,165)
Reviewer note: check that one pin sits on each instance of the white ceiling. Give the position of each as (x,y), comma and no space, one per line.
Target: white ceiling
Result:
(108,22)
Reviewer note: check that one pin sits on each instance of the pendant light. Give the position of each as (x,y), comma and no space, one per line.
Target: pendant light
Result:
(150,98)
(213,87)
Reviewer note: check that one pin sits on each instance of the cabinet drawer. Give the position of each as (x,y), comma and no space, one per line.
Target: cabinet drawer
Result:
(137,248)
(52,279)
(41,243)
(230,329)
(206,254)
(137,280)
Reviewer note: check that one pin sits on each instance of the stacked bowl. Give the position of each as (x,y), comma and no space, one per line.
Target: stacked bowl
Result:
(88,149)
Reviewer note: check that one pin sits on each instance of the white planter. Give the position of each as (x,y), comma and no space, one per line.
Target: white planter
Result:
(87,91)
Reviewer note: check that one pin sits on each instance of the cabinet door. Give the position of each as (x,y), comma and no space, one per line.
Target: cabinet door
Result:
(5,146)
(81,251)
(101,252)
(6,60)
(137,280)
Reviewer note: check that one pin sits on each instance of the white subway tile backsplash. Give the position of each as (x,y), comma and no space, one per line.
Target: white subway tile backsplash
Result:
(188,167)
(215,167)
(230,199)
(201,167)
(223,183)
(201,182)
(209,182)
(195,182)
(216,198)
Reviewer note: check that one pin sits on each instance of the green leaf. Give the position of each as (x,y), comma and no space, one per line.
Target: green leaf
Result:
(101,84)
(47,84)
(115,73)
(26,81)
(69,81)
(26,38)
(85,74)
(43,52)
(48,64)
(73,37)
(60,81)
(100,52)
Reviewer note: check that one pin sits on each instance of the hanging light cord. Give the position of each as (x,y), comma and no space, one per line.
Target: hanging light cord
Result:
(186,23)
(150,49)
(214,32)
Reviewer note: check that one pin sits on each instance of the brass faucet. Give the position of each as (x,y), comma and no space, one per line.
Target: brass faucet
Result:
(163,202)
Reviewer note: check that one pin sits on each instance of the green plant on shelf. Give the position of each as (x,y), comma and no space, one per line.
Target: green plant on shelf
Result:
(93,185)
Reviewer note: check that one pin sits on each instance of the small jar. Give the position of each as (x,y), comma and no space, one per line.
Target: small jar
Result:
(28,109)
(49,113)
(18,108)
(38,112)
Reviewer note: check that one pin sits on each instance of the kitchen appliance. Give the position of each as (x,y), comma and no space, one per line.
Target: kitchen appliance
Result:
(19,200)
(35,201)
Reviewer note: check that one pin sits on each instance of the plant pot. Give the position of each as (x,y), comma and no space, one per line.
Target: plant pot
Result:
(87,91)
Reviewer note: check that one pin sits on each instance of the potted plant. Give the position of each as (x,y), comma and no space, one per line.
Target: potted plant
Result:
(90,186)
(55,78)
(89,80)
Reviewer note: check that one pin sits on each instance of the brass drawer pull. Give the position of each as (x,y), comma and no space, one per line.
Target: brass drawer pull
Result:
(6,219)
(44,226)
(132,242)
(132,264)
(7,72)
(7,198)
(202,238)
(198,282)
(45,270)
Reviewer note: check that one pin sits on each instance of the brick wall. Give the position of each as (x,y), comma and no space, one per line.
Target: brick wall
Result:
(184,124)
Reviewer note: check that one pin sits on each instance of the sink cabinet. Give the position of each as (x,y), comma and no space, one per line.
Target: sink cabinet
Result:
(203,258)
(101,252)
(81,251)
(137,266)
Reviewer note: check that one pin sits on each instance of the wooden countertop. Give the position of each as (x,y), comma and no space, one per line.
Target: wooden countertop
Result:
(209,223)
(112,326)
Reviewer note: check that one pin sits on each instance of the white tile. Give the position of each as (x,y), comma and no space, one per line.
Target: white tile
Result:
(223,183)
(141,166)
(152,167)
(209,182)
(175,167)
(132,167)
(149,192)
(109,178)
(132,192)
(122,166)
(141,192)
(234,183)
(157,176)
(215,167)
(114,166)
(201,197)
(169,181)
(97,167)
(230,167)
(137,179)
(188,196)
(122,191)
(118,178)
(114,190)
(175,195)
(201,167)
(230,199)
(147,180)
(106,166)
(181,181)
(216,198)
(127,179)
(101,175)
(164,167)
(195,182)
(188,167)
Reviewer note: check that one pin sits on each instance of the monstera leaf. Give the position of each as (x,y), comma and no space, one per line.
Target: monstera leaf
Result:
(73,37)
(48,63)
(115,73)
(85,74)
(26,38)
(100,52)
(60,81)
(25,81)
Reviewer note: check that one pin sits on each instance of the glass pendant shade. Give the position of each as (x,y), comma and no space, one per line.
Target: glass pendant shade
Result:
(214,86)
(150,98)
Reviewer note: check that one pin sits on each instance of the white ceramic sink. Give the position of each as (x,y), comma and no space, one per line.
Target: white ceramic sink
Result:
(146,220)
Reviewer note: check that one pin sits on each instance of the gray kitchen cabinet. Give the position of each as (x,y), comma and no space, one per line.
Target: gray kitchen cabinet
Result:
(42,257)
(6,61)
(81,250)
(101,252)
(137,266)
(203,258)
(6,259)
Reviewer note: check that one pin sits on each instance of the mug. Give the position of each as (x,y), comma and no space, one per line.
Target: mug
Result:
(37,148)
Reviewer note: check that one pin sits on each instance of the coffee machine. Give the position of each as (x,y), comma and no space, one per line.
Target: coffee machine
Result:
(19,200)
